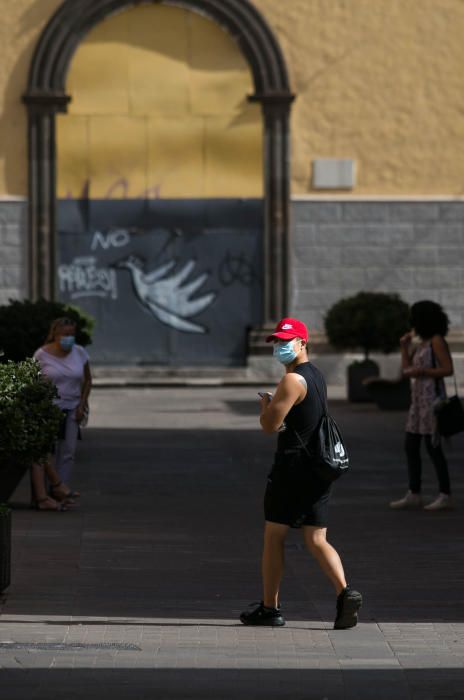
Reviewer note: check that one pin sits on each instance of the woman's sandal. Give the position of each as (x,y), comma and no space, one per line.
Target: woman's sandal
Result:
(59,494)
(57,507)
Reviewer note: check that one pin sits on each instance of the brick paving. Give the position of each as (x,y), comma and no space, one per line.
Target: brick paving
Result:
(136,593)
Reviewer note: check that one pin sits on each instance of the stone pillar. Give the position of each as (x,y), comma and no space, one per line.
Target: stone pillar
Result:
(276,239)
(42,191)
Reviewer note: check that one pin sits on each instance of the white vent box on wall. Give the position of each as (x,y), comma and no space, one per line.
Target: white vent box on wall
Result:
(334,174)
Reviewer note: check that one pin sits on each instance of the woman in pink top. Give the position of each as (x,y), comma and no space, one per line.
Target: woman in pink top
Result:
(67,366)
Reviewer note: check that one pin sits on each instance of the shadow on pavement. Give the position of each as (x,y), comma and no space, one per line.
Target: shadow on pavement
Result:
(225,683)
(170,527)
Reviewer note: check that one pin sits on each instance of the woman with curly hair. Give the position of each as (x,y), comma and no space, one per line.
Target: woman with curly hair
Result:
(427,365)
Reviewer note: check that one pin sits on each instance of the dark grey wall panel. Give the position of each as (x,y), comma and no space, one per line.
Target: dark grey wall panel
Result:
(170,282)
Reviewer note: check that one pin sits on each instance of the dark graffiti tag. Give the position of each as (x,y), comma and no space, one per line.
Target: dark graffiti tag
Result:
(118,189)
(236,268)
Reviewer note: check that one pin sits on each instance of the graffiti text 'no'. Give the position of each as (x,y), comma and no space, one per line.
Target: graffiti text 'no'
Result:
(112,239)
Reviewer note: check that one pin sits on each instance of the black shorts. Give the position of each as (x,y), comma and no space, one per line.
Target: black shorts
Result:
(294,495)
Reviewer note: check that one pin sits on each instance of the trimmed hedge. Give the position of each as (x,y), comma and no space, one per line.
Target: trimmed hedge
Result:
(24,326)
(29,420)
(371,321)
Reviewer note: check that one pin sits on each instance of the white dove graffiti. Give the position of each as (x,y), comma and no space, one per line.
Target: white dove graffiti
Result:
(167,297)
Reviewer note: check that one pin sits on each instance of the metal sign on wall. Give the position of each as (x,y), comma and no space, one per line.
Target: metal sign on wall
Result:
(169,282)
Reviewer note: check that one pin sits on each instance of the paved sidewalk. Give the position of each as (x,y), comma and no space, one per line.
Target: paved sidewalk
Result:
(136,593)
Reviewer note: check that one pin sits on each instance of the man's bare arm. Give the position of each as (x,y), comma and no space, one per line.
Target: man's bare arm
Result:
(291,390)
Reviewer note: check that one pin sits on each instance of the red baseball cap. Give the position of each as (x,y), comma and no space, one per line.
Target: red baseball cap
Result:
(289,328)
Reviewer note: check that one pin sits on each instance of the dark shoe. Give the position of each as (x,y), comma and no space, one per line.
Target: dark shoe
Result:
(260,615)
(348,604)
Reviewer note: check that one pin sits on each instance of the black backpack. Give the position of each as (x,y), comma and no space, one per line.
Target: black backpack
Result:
(326,451)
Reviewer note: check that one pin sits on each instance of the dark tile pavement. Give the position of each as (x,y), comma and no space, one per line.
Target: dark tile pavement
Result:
(135,593)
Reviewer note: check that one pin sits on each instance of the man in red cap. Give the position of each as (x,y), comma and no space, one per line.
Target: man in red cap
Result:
(295,496)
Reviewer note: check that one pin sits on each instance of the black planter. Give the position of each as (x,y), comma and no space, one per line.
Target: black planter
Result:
(10,478)
(391,395)
(357,373)
(5,548)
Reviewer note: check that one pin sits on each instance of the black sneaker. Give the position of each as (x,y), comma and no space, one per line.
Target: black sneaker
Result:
(348,604)
(260,615)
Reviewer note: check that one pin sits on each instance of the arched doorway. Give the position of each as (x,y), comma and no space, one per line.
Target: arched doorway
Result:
(46,96)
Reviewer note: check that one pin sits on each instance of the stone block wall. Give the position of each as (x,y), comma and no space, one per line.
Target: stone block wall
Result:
(414,248)
(339,248)
(13,250)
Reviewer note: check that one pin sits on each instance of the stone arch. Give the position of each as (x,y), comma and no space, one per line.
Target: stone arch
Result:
(46,96)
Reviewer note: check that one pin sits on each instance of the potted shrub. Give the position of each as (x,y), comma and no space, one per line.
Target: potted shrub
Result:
(29,421)
(368,321)
(24,326)
(5,547)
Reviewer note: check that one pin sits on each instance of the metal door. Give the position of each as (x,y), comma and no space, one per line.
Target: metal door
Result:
(169,282)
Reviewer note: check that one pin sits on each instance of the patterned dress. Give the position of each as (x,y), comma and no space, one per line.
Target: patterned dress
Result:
(424,392)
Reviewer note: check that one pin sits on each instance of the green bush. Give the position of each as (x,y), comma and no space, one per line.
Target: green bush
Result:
(29,420)
(372,321)
(24,326)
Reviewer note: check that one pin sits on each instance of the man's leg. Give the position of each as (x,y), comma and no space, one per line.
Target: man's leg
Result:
(327,557)
(273,562)
(267,612)
(348,600)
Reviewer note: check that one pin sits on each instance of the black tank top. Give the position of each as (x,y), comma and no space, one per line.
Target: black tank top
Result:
(305,416)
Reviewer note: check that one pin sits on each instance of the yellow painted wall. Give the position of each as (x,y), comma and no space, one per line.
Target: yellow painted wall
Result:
(159,109)
(377,80)
(20,26)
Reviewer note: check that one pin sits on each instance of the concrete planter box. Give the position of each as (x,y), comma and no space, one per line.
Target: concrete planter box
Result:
(357,373)
(390,395)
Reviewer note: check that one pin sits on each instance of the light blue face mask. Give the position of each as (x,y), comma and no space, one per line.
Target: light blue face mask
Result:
(284,352)
(67,342)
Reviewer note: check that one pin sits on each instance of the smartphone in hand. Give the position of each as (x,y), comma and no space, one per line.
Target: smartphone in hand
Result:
(262,394)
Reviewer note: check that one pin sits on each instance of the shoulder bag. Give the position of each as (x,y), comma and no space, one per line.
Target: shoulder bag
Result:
(449,413)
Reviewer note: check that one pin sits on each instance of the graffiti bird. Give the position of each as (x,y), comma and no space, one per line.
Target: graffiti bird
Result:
(166,296)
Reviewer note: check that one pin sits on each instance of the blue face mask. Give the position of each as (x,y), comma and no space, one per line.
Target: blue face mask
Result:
(67,342)
(284,352)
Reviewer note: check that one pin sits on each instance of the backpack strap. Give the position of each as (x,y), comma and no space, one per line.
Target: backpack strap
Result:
(325,410)
(322,400)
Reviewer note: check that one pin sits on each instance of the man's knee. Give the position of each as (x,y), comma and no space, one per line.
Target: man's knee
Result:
(275,532)
(315,538)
